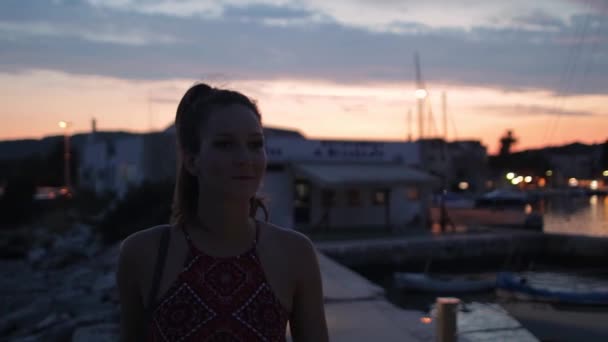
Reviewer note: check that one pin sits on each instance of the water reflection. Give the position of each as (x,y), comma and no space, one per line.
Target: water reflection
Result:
(576,215)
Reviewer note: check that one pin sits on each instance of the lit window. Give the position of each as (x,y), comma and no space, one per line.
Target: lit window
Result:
(302,193)
(463,186)
(412,193)
(302,190)
(380,197)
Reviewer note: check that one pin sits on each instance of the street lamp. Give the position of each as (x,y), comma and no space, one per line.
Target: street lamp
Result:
(65,125)
(421,93)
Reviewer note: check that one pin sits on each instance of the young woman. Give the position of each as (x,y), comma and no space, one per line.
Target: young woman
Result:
(217,273)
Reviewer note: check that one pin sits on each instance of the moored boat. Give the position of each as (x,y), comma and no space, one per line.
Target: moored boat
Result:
(551,287)
(503,208)
(444,283)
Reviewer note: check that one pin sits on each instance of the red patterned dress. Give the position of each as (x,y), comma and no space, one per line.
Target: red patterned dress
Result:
(219,299)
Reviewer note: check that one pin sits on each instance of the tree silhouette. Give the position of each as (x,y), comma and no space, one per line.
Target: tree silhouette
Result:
(604,161)
(54,166)
(506,142)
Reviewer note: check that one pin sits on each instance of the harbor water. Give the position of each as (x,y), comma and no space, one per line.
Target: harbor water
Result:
(583,215)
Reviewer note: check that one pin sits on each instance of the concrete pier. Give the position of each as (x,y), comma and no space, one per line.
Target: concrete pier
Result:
(357,310)
(497,246)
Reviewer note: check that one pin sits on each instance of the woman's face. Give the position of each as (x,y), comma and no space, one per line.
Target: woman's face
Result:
(232,157)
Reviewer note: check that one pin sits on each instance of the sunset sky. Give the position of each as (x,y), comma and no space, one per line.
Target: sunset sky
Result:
(341,69)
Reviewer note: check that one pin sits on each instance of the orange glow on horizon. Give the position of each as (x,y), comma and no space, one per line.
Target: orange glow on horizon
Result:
(34,101)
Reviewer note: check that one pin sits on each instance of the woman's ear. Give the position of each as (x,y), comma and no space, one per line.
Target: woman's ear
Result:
(191,163)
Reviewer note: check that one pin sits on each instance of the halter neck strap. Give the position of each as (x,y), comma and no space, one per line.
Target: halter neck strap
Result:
(198,251)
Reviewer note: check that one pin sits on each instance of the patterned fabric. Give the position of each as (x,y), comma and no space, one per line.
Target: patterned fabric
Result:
(219,299)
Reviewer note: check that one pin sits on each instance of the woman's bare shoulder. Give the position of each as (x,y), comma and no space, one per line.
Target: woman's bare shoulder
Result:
(286,235)
(290,241)
(142,244)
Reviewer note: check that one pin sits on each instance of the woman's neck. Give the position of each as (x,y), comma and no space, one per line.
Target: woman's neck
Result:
(224,219)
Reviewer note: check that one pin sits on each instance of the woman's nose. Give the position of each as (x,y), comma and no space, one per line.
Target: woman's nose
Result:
(242,155)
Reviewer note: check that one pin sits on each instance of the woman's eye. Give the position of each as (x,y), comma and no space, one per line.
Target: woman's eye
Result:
(222,144)
(257,144)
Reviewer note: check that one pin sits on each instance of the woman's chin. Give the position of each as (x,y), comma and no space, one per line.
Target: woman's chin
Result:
(234,190)
(242,193)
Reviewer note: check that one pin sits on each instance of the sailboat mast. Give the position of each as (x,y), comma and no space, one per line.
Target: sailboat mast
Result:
(444,104)
(421,96)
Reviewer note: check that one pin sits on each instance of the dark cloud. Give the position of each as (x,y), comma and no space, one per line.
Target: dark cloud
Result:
(532,110)
(600,6)
(258,12)
(539,18)
(196,47)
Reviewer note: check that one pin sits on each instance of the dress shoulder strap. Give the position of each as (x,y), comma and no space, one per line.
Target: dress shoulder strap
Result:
(160,264)
(257,232)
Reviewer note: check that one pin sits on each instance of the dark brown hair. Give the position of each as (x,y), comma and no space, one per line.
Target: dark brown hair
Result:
(192,112)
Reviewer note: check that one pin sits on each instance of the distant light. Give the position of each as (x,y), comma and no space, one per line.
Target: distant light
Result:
(573,182)
(528,179)
(426,320)
(594,185)
(463,185)
(593,200)
(549,173)
(510,175)
(528,209)
(63,124)
(605,173)
(421,93)
(520,179)
(515,181)
(542,182)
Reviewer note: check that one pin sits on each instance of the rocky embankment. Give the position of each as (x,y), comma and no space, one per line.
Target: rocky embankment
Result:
(64,290)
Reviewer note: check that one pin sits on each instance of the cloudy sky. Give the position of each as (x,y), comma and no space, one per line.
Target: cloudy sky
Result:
(330,68)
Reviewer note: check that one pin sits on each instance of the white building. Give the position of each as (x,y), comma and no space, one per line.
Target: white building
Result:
(318,184)
(113,166)
(309,184)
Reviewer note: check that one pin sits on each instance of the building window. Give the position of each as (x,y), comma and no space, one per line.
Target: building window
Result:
(124,172)
(380,197)
(328,198)
(412,193)
(302,193)
(110,150)
(354,197)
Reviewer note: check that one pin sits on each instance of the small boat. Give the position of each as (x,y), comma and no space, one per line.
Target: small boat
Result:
(444,283)
(501,208)
(552,287)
